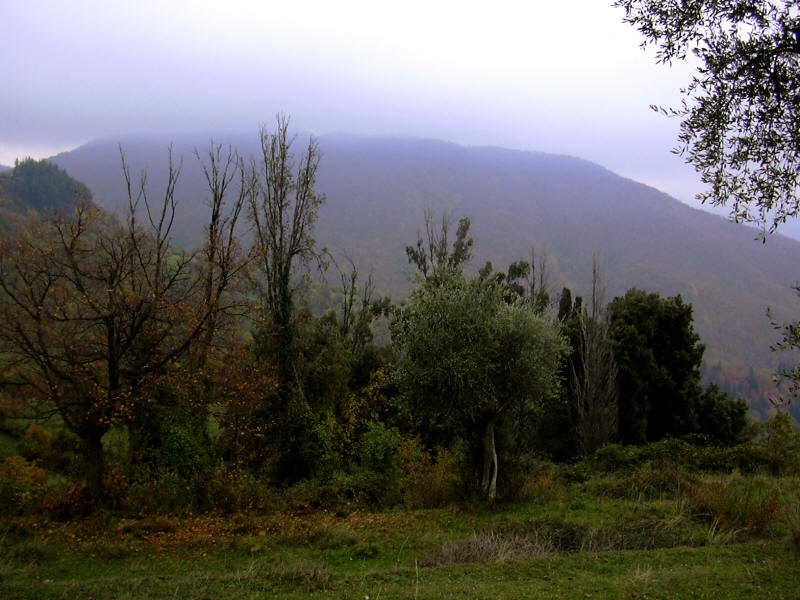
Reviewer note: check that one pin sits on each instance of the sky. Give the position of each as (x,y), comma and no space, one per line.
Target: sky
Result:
(562,77)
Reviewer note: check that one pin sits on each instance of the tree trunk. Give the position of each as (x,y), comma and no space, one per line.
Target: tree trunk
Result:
(93,460)
(489,482)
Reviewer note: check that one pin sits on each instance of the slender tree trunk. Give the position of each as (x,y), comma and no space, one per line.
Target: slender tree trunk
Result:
(489,480)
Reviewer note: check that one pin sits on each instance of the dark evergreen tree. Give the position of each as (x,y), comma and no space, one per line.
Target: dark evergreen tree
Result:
(658,357)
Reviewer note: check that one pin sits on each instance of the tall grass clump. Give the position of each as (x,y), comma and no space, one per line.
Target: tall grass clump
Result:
(742,506)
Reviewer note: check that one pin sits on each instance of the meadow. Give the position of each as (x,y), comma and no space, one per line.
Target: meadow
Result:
(615,526)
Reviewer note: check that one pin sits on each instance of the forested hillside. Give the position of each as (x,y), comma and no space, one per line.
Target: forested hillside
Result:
(378,189)
(40,185)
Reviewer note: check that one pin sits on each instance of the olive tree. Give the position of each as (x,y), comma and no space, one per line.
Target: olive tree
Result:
(740,117)
(468,357)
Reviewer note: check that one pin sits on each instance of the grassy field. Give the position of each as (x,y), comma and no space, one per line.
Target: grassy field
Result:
(608,537)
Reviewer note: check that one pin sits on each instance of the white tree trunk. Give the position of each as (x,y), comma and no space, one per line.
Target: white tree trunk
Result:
(490,465)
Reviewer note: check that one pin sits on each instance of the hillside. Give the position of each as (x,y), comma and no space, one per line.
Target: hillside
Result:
(38,186)
(378,188)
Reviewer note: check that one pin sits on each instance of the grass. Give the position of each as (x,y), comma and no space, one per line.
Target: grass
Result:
(580,544)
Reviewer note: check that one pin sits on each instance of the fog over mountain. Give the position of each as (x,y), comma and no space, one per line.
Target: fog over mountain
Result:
(378,189)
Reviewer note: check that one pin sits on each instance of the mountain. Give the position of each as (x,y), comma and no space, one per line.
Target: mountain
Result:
(378,188)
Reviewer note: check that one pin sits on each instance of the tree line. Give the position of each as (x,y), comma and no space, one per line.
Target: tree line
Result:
(208,356)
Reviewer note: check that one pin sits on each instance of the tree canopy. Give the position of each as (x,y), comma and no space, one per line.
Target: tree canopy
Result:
(740,117)
(468,356)
(658,358)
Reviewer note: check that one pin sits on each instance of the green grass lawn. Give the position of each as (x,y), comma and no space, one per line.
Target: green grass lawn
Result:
(579,544)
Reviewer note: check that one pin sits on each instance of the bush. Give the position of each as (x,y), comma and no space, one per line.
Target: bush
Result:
(36,443)
(317,494)
(428,481)
(614,457)
(378,449)
(775,450)
(231,489)
(157,491)
(22,485)
(74,501)
(650,480)
(739,506)
(542,485)
(780,444)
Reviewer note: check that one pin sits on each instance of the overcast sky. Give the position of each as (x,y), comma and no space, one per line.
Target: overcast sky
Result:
(565,77)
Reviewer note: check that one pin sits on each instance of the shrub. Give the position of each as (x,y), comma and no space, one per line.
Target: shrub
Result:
(378,449)
(156,491)
(614,457)
(315,494)
(670,450)
(233,489)
(35,443)
(428,481)
(781,445)
(659,479)
(71,502)
(22,484)
(542,486)
(737,506)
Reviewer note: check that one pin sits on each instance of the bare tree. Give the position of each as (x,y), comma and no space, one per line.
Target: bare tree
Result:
(92,309)
(223,259)
(283,207)
(594,373)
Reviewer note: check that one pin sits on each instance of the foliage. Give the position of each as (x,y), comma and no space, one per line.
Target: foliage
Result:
(658,356)
(36,443)
(22,484)
(739,116)
(780,444)
(790,341)
(542,486)
(737,506)
(432,256)
(282,208)
(429,480)
(42,186)
(720,419)
(92,311)
(651,479)
(467,357)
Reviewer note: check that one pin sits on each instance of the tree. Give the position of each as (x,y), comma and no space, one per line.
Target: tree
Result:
(468,357)
(93,311)
(594,373)
(432,256)
(658,358)
(222,256)
(740,115)
(528,280)
(283,207)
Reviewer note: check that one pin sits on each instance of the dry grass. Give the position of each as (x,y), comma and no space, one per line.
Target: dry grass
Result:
(488,547)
